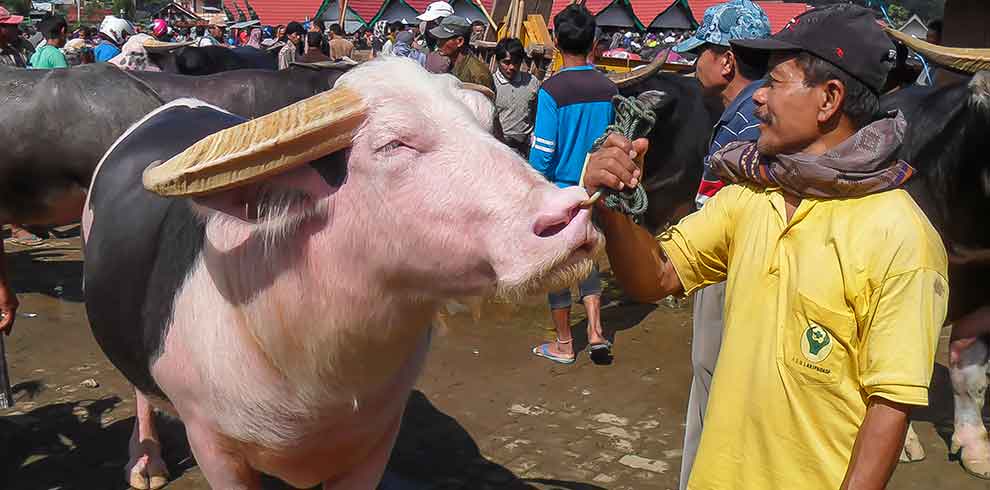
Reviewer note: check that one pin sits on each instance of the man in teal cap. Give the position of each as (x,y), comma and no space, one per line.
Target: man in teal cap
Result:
(725,75)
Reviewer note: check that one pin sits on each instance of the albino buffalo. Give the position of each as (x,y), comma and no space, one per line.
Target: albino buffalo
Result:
(286,319)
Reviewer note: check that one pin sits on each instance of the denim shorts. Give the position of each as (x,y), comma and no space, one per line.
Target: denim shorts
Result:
(590,286)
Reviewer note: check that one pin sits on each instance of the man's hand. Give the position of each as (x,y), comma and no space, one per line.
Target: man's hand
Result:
(613,165)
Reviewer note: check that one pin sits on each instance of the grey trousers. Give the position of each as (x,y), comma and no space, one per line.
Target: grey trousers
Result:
(707,340)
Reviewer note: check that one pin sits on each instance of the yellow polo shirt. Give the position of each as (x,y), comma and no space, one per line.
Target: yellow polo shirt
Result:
(843,303)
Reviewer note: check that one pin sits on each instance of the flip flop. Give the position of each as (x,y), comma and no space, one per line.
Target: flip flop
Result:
(542,351)
(600,352)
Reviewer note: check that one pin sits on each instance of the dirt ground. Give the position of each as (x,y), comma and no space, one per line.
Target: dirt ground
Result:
(486,413)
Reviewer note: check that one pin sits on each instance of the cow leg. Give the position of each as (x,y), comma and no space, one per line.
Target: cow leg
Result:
(369,473)
(222,467)
(146,468)
(912,450)
(968,372)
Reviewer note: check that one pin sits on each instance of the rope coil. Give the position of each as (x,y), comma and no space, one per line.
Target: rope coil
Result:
(634,118)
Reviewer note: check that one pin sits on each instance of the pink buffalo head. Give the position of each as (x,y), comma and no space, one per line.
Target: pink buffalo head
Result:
(426,203)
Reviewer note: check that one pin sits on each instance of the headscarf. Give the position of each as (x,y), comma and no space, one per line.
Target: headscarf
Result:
(865,163)
(255,39)
(133,56)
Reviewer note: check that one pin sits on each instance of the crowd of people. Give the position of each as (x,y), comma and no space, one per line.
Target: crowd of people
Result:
(52,44)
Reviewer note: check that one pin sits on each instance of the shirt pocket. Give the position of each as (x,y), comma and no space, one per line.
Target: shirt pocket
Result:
(817,342)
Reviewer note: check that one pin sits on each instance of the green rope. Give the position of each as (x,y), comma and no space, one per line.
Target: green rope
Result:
(634,118)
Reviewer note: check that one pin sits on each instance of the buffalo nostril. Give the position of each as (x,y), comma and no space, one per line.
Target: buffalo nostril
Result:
(549,225)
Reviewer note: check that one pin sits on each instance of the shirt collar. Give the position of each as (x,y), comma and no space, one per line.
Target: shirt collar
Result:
(744,96)
(501,80)
(578,68)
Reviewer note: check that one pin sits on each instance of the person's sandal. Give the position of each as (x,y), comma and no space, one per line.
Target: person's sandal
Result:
(600,353)
(542,351)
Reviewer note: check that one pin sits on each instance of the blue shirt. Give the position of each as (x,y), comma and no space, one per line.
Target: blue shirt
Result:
(736,124)
(574,107)
(105,51)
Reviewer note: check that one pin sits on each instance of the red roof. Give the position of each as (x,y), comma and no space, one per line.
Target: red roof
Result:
(275,12)
(594,6)
(368,9)
(781,13)
(648,10)
(778,12)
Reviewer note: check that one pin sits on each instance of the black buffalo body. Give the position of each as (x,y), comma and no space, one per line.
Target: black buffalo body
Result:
(57,124)
(947,142)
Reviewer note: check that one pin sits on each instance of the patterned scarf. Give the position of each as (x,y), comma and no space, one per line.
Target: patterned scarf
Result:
(866,163)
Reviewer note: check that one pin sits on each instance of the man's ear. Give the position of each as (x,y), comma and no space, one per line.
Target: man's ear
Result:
(833,96)
(728,64)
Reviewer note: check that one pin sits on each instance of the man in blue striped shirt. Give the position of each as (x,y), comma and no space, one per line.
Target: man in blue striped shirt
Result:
(574,107)
(725,75)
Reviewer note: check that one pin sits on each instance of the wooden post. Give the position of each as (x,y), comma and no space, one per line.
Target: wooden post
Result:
(342,17)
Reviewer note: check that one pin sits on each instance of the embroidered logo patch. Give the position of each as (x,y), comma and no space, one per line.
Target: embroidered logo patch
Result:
(816,343)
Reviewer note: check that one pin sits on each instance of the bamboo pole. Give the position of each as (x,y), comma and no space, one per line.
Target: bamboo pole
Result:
(342,16)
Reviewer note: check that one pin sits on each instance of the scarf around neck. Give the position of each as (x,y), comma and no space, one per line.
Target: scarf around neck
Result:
(865,163)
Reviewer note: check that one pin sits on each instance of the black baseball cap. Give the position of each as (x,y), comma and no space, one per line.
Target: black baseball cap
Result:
(845,35)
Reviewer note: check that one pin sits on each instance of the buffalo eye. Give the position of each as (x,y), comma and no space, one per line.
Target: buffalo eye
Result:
(392,146)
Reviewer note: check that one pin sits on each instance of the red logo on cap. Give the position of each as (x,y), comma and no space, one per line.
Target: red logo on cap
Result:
(840,52)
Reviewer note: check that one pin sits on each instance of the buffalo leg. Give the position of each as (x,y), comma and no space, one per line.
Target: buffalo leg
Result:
(222,467)
(968,371)
(146,468)
(369,473)
(913,450)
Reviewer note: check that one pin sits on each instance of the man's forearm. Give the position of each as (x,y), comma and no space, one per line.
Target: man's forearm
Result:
(636,259)
(878,446)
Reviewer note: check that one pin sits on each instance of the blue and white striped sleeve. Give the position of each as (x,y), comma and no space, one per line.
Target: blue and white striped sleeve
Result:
(544,142)
(748,127)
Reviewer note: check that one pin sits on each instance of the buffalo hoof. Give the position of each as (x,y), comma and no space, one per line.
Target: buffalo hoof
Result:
(913,451)
(974,456)
(147,472)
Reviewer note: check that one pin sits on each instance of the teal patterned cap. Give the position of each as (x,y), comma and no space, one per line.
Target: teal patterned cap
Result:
(736,19)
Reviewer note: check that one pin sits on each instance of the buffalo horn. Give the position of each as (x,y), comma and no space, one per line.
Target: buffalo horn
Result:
(635,76)
(967,60)
(287,138)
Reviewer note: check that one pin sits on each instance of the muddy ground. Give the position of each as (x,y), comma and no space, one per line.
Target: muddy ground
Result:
(486,413)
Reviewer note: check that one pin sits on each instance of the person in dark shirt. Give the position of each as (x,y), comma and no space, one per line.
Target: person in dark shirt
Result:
(452,38)
(313,53)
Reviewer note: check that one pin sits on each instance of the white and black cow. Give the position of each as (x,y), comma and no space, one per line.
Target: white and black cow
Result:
(285,321)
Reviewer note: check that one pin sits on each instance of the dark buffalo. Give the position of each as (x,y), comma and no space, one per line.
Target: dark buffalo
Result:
(57,124)
(947,143)
(210,60)
(678,145)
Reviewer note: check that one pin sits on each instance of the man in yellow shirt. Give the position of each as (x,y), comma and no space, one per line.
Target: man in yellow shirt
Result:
(836,279)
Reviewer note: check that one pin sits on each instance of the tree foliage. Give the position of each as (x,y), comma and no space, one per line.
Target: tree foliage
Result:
(926,9)
(18,7)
